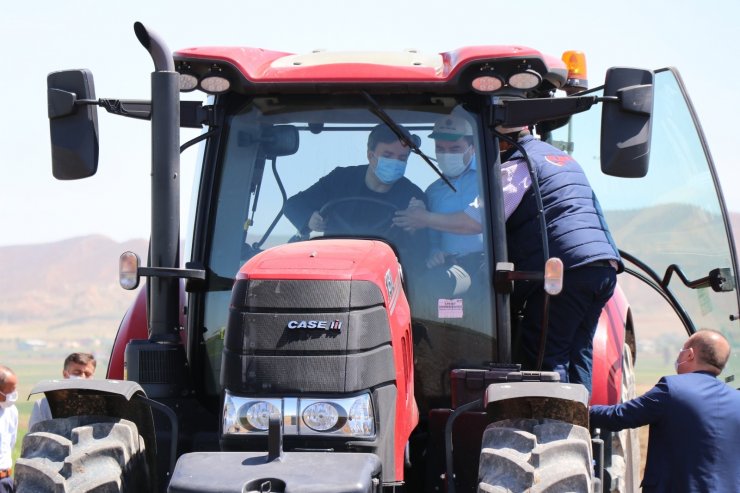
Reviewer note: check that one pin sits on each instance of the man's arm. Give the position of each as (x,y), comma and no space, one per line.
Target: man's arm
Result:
(646,409)
(414,218)
(299,208)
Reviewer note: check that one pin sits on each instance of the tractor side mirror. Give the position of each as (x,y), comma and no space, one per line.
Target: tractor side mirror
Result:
(73,124)
(626,122)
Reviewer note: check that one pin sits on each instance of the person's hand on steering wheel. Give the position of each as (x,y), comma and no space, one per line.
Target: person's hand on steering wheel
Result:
(316,222)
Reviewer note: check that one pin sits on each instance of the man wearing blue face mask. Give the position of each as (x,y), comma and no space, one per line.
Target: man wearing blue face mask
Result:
(359,200)
(455,254)
(8,426)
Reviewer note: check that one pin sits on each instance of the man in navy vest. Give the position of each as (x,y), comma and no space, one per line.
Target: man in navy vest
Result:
(577,234)
(694,422)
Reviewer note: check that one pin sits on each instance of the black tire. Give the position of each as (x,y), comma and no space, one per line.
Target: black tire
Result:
(535,455)
(82,454)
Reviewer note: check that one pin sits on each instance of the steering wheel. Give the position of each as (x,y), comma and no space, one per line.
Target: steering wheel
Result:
(341,220)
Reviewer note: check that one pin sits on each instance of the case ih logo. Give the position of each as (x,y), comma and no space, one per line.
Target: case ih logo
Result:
(315,324)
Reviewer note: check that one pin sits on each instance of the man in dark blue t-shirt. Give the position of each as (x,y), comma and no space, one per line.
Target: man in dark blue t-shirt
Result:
(361,200)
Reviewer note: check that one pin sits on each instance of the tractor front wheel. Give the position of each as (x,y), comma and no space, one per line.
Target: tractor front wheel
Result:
(82,454)
(535,455)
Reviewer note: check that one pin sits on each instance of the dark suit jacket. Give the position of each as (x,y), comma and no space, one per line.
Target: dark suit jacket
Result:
(694,443)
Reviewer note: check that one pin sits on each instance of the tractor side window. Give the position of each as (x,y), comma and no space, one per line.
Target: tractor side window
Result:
(674,216)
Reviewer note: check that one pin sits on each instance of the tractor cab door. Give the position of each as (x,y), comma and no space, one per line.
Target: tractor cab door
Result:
(671,226)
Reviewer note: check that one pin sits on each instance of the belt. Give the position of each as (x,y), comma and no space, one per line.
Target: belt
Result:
(6,473)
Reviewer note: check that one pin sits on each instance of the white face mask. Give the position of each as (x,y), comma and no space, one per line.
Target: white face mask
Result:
(75,377)
(452,164)
(676,364)
(9,399)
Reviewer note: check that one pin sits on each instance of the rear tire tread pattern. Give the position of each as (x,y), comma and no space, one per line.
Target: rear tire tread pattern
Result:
(536,456)
(82,454)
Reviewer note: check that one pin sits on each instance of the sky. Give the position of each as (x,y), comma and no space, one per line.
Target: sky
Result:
(700,38)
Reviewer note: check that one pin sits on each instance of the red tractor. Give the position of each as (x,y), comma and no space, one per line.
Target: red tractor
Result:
(272,360)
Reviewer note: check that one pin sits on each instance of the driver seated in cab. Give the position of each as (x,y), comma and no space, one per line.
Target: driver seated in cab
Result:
(361,200)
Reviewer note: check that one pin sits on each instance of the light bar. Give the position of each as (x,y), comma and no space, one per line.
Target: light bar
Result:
(188,82)
(215,84)
(529,79)
(487,83)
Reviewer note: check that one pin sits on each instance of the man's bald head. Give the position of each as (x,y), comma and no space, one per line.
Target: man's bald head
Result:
(711,349)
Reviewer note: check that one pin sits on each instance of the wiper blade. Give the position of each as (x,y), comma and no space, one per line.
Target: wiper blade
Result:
(403,136)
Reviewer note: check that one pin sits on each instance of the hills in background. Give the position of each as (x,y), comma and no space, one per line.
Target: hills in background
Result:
(66,294)
(63,295)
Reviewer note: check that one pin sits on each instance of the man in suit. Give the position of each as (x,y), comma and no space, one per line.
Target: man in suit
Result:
(694,422)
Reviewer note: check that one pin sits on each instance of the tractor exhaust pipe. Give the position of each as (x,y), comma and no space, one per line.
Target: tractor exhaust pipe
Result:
(164,298)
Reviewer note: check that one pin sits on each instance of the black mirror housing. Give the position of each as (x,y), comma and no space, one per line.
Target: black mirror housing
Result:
(280,140)
(626,122)
(73,125)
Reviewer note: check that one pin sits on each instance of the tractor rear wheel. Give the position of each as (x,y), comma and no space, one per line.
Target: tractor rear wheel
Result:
(82,454)
(535,455)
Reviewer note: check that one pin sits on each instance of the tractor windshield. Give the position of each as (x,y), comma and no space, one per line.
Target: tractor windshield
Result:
(297,169)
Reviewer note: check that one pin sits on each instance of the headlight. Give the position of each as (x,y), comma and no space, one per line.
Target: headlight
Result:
(256,415)
(321,416)
(347,417)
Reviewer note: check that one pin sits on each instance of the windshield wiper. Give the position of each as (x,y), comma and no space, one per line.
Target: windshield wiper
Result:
(403,136)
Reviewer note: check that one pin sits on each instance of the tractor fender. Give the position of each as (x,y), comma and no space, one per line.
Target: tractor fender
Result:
(608,347)
(566,402)
(111,398)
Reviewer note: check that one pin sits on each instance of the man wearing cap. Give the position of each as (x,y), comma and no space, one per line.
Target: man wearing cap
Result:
(8,426)
(455,248)
(577,234)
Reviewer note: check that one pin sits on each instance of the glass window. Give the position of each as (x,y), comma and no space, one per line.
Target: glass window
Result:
(269,188)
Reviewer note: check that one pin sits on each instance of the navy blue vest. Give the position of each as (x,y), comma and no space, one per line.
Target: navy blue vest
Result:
(576,230)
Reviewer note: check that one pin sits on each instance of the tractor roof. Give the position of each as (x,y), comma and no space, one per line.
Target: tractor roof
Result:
(448,70)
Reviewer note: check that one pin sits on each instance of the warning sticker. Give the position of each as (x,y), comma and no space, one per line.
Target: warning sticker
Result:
(449,308)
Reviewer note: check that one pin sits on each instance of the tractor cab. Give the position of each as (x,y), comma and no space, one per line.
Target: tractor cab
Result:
(289,157)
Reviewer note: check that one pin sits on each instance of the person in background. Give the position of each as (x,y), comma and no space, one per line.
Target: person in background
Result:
(694,422)
(76,365)
(8,426)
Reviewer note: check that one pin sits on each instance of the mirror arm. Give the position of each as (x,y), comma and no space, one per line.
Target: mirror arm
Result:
(138,109)
(720,280)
